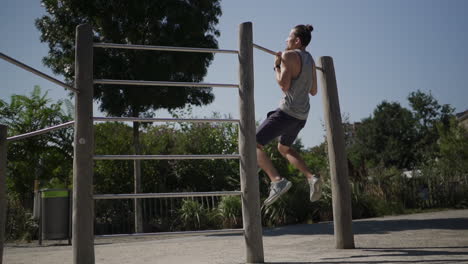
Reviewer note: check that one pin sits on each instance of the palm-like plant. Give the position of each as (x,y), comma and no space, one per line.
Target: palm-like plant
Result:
(192,214)
(230,210)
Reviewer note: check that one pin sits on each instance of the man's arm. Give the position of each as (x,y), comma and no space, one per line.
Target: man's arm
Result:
(313,89)
(284,73)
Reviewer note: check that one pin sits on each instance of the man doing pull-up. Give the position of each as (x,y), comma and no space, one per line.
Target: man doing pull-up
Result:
(296,75)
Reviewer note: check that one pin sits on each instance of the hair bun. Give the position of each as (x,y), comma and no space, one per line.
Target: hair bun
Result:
(310,28)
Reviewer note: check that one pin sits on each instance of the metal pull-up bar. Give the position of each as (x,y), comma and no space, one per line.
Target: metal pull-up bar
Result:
(274,53)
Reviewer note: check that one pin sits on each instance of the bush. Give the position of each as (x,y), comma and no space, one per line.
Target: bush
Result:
(19,225)
(230,211)
(192,215)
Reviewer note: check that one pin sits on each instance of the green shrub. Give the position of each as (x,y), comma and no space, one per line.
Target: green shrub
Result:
(192,215)
(230,211)
(19,225)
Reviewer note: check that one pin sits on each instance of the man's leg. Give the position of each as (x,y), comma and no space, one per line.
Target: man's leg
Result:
(265,163)
(278,185)
(271,128)
(295,159)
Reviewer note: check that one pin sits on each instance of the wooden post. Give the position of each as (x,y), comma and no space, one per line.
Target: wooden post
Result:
(247,149)
(341,194)
(3,202)
(83,204)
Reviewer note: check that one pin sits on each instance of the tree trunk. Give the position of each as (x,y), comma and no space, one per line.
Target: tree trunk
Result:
(137,177)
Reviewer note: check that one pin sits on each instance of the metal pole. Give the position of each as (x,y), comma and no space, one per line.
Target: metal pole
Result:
(247,149)
(83,205)
(41,131)
(341,194)
(137,180)
(38,73)
(3,203)
(274,53)
(162,48)
(264,49)
(158,83)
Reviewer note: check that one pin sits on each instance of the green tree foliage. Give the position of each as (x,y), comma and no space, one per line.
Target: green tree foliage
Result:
(42,157)
(168,176)
(147,22)
(429,113)
(113,176)
(388,137)
(398,137)
(453,150)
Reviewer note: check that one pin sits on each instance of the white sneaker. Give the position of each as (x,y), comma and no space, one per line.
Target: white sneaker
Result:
(315,184)
(276,190)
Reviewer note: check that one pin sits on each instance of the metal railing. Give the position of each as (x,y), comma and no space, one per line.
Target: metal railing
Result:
(162,48)
(164,157)
(248,168)
(83,236)
(159,83)
(200,232)
(165,195)
(142,119)
(41,131)
(36,72)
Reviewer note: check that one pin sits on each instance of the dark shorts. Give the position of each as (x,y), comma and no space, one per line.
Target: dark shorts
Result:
(279,124)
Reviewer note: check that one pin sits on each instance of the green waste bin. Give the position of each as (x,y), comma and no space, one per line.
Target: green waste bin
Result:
(55,214)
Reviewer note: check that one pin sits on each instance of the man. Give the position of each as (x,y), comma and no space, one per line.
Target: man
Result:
(296,75)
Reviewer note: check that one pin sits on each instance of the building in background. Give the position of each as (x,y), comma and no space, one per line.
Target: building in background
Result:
(462,117)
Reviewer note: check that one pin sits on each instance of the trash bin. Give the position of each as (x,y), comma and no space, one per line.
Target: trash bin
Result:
(55,214)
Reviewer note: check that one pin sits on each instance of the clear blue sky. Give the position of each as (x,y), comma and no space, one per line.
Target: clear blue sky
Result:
(382,50)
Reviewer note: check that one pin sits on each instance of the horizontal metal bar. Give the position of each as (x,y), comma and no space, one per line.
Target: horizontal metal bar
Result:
(158,83)
(163,157)
(163,48)
(38,73)
(264,49)
(200,232)
(164,195)
(191,120)
(274,53)
(41,131)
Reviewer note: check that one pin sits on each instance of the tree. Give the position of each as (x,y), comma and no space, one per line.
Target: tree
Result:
(388,137)
(428,112)
(453,150)
(42,157)
(147,22)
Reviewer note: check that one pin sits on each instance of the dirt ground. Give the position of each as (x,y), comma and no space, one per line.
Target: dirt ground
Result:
(436,237)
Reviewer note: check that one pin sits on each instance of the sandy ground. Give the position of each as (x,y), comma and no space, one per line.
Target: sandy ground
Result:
(438,237)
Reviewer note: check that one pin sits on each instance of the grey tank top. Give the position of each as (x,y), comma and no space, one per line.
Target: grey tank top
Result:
(295,101)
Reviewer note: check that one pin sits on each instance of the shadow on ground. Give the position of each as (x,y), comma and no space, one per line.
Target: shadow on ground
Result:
(443,256)
(372,226)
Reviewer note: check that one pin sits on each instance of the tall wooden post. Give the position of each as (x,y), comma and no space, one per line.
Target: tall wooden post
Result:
(83,204)
(247,149)
(341,194)
(3,203)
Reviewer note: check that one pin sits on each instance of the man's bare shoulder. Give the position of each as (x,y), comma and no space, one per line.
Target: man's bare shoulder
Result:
(290,56)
